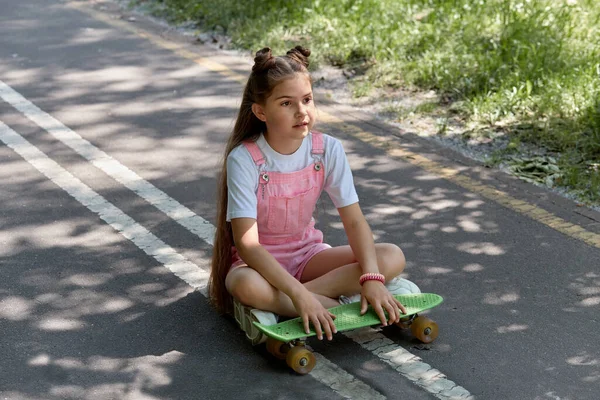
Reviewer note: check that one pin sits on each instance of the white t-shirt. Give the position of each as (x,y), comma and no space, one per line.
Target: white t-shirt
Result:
(242,174)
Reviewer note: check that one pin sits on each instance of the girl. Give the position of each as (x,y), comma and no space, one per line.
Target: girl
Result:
(267,253)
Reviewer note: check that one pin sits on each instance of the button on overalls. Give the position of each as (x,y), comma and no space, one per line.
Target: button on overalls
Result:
(286,202)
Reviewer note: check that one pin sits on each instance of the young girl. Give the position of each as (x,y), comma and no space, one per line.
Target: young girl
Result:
(267,253)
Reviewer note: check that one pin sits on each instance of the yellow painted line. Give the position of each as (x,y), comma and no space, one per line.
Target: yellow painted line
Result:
(179,49)
(453,175)
(392,148)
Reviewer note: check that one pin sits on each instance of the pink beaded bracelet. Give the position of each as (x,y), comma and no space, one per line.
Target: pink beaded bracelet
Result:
(371,276)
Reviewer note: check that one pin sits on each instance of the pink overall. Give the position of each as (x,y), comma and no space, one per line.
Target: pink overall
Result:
(286,202)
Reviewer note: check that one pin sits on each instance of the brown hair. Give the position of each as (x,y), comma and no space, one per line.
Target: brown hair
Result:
(268,71)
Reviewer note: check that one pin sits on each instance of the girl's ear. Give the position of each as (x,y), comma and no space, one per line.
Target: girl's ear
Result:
(259,112)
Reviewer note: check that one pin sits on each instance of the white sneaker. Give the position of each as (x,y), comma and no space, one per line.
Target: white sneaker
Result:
(245,316)
(402,286)
(355,298)
(395,286)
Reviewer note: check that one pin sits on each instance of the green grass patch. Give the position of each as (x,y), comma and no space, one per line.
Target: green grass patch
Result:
(509,63)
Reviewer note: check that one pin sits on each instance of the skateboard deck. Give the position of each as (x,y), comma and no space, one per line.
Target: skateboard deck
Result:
(348,317)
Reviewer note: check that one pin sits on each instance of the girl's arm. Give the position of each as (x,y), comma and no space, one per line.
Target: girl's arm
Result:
(360,237)
(245,234)
(361,241)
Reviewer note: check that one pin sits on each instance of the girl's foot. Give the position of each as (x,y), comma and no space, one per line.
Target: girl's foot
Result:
(245,316)
(395,286)
(402,286)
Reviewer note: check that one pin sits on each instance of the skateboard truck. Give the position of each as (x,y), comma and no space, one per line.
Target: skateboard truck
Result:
(406,322)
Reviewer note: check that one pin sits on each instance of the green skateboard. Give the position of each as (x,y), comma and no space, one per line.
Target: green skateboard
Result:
(286,340)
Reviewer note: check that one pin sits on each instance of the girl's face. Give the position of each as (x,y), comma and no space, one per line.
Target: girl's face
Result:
(289,113)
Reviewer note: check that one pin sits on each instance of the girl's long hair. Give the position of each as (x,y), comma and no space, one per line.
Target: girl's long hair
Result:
(267,72)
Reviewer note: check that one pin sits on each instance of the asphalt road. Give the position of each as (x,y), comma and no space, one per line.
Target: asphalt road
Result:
(111,135)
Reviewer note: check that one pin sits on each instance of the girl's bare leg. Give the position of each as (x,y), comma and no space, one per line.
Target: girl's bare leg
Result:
(251,289)
(334,272)
(327,275)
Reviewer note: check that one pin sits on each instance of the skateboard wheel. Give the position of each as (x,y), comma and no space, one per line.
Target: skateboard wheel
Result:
(424,329)
(277,348)
(301,360)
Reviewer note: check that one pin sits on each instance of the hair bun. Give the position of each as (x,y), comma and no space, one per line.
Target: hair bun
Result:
(299,54)
(263,60)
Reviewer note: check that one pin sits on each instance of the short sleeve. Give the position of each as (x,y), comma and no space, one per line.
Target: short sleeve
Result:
(339,182)
(242,183)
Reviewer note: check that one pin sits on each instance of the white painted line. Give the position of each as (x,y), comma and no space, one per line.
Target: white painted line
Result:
(327,373)
(205,229)
(409,365)
(171,207)
(342,382)
(121,222)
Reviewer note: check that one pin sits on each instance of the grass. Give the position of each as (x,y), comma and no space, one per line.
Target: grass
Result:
(507,63)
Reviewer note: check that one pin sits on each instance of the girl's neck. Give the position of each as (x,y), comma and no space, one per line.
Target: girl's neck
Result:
(285,147)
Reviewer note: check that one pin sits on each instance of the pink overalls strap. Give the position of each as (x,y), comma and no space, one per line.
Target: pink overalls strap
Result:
(257,155)
(259,158)
(317,143)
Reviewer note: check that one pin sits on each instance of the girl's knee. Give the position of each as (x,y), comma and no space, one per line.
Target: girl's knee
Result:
(247,286)
(391,260)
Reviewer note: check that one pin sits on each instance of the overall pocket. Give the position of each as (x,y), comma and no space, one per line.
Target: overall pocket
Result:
(291,214)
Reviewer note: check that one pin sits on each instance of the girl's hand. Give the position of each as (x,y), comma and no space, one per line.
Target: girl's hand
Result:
(376,294)
(312,311)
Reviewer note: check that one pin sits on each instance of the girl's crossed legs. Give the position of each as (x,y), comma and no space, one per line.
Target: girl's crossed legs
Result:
(329,274)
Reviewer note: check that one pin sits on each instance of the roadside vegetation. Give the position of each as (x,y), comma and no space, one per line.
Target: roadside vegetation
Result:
(524,73)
